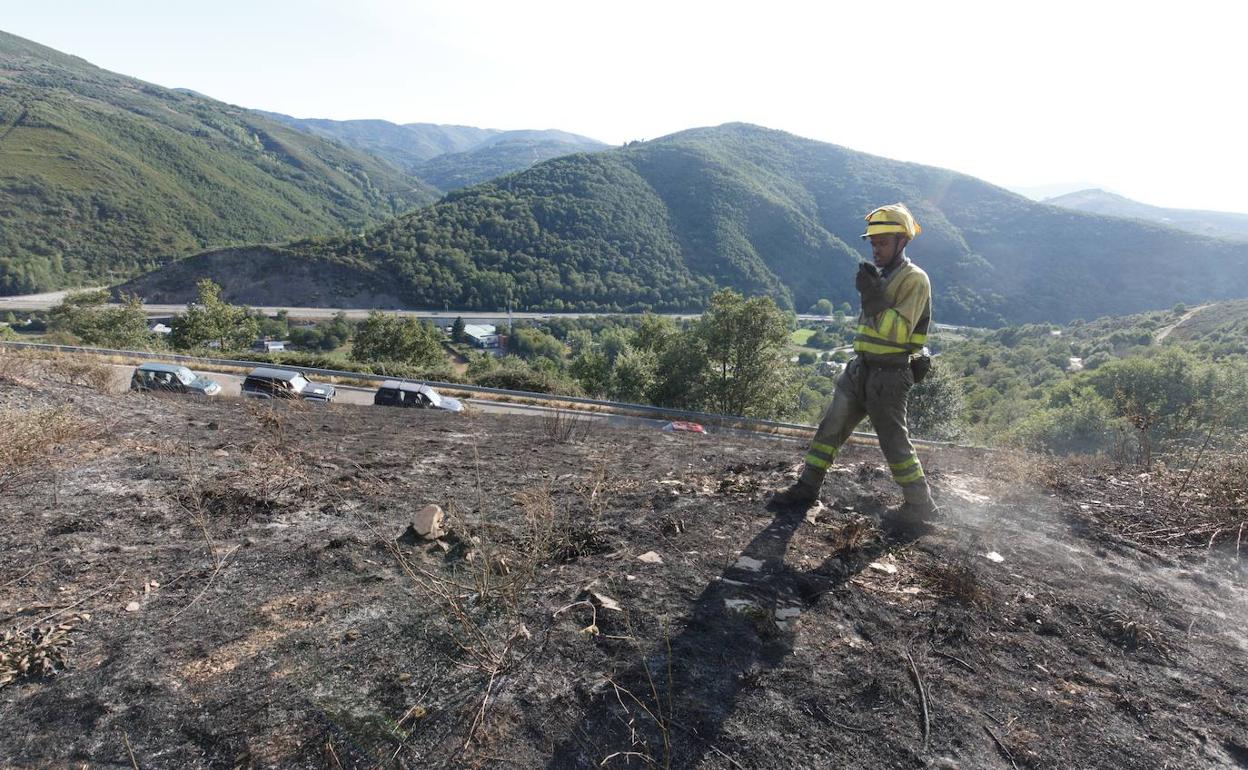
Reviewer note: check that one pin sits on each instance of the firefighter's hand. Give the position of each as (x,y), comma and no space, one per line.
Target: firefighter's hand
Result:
(871,287)
(868,279)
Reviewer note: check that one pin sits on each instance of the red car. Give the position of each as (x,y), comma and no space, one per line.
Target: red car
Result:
(688,427)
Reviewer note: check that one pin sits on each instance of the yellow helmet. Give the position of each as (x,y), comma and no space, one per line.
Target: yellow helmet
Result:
(893,218)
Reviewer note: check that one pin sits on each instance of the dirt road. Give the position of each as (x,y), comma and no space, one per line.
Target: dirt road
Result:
(1164,331)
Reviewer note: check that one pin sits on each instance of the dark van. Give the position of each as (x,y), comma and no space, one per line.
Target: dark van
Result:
(264,382)
(414,395)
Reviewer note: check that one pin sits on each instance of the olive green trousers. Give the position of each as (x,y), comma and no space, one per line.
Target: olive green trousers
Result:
(864,390)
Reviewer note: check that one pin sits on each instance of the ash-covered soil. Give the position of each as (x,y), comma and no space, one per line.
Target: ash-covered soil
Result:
(226,585)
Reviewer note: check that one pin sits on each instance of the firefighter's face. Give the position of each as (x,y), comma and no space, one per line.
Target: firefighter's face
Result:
(884,248)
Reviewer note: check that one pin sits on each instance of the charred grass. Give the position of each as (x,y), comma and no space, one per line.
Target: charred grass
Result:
(282,621)
(1200,506)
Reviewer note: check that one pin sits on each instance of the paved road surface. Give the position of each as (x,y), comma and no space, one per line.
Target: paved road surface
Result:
(48,300)
(359,396)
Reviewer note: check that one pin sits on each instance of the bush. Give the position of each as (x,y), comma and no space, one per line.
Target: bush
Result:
(437,373)
(934,408)
(524,378)
(1085,425)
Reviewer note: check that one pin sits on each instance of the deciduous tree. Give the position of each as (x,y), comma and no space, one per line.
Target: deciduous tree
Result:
(212,320)
(382,337)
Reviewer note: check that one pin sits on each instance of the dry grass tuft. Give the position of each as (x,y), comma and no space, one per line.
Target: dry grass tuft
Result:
(31,442)
(565,427)
(958,581)
(37,652)
(1132,634)
(87,372)
(854,535)
(33,369)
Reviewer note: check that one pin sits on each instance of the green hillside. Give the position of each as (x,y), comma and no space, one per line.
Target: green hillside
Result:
(660,224)
(446,157)
(103,176)
(497,157)
(404,146)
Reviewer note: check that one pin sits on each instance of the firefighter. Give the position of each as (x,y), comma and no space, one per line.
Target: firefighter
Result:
(892,330)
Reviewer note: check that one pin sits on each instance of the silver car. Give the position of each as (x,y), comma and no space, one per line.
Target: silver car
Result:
(172,378)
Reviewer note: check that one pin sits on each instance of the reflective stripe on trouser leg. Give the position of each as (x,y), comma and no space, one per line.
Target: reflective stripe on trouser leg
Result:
(886,404)
(820,455)
(907,471)
(839,420)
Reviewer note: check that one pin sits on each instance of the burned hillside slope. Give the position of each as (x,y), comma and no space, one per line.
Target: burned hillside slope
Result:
(221,585)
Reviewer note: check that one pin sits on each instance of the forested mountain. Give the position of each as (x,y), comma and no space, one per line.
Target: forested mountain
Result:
(661,224)
(1216,224)
(103,176)
(402,145)
(512,151)
(446,157)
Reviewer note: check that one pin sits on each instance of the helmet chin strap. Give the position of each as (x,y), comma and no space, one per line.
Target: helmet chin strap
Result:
(899,247)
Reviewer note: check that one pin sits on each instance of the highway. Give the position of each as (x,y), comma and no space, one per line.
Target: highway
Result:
(48,300)
(359,396)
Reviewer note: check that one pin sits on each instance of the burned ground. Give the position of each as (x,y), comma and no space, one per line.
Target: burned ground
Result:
(221,585)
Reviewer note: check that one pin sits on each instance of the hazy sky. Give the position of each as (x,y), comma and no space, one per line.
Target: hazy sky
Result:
(1142,101)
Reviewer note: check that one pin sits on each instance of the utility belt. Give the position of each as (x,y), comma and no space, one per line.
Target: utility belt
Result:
(918,365)
(883,364)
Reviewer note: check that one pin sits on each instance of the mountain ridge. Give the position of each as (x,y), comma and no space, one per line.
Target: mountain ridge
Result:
(1217,224)
(104,176)
(446,156)
(660,225)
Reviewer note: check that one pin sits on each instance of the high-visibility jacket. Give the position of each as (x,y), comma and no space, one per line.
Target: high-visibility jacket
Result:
(892,336)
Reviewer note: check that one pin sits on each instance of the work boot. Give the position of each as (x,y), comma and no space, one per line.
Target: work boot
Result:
(919,510)
(800,496)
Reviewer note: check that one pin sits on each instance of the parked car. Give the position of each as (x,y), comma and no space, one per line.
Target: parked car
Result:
(686,427)
(415,395)
(171,378)
(264,382)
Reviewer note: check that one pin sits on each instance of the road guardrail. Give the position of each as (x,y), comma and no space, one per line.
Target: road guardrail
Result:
(752,424)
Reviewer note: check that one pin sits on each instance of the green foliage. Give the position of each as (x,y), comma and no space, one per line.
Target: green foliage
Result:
(654,333)
(323,337)
(439,372)
(661,225)
(745,344)
(827,339)
(514,374)
(211,321)
(682,373)
(447,157)
(1086,425)
(105,176)
(633,376)
(276,327)
(459,334)
(531,344)
(452,171)
(1132,395)
(83,315)
(382,337)
(822,307)
(934,408)
(592,370)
